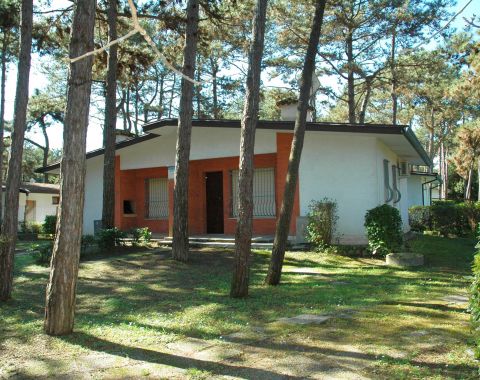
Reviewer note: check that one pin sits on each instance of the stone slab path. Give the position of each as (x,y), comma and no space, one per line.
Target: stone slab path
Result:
(257,352)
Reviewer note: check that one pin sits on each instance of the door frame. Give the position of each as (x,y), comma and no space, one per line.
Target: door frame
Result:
(206,200)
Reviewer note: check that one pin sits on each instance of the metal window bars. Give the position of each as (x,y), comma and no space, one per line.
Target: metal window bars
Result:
(263,193)
(156,198)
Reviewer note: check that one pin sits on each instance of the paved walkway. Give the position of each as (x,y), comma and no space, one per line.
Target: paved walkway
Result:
(259,352)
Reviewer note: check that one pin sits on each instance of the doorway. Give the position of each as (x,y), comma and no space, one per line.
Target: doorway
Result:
(214,200)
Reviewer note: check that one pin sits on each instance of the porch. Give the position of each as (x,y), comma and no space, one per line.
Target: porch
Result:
(144,196)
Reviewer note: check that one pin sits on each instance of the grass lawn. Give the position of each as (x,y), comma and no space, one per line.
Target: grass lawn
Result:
(142,314)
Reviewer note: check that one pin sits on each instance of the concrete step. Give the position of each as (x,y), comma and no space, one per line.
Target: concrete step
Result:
(223,239)
(217,244)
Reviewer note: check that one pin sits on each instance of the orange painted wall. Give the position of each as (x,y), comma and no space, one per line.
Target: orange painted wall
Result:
(130,185)
(197,204)
(284,143)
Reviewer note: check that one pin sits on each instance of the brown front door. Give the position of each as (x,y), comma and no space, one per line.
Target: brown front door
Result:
(214,198)
(30,207)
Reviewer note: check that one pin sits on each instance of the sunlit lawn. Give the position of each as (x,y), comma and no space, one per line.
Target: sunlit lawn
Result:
(137,303)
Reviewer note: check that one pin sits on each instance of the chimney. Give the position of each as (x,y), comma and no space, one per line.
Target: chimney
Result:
(122,135)
(288,110)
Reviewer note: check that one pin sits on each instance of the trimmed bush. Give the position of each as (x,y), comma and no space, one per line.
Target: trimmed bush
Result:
(109,238)
(475,297)
(384,229)
(445,218)
(419,218)
(140,235)
(322,222)
(42,253)
(49,224)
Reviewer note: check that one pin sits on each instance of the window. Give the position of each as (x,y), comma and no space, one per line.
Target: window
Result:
(263,193)
(156,200)
(128,207)
(55,200)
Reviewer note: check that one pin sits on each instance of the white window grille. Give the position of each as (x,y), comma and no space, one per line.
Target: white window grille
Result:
(156,200)
(263,193)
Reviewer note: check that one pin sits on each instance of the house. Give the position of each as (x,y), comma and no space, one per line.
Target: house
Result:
(360,166)
(37,200)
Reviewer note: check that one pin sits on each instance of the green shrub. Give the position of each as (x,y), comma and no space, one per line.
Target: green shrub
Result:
(322,222)
(475,296)
(447,218)
(384,229)
(419,218)
(49,224)
(140,235)
(109,238)
(42,252)
(30,228)
(88,246)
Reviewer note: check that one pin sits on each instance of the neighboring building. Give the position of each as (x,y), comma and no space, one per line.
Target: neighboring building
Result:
(37,200)
(360,166)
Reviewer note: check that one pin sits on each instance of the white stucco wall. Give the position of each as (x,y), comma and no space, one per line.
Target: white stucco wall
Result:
(206,143)
(93,193)
(347,167)
(43,206)
(340,166)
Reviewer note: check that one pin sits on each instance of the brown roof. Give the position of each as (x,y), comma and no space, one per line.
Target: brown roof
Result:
(42,188)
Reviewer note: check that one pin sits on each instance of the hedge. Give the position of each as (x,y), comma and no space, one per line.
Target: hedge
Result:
(446,218)
(384,229)
(475,302)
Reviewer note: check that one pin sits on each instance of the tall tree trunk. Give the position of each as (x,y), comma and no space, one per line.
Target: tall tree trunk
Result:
(243,235)
(198,90)
(394,79)
(160,100)
(468,187)
(478,178)
(46,150)
(214,67)
(350,79)
(62,285)
(172,93)
(108,210)
(283,223)
(10,221)
(366,99)
(2,112)
(180,192)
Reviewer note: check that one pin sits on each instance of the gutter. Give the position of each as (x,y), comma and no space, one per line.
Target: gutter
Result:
(412,139)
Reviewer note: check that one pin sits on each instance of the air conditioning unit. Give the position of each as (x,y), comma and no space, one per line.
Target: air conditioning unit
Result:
(404,169)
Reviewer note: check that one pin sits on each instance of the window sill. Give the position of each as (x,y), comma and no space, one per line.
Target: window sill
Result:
(129,215)
(157,219)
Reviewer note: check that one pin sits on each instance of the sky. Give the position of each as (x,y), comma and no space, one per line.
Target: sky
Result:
(94,136)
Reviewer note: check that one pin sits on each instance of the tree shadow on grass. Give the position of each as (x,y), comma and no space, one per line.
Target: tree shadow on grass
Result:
(94,343)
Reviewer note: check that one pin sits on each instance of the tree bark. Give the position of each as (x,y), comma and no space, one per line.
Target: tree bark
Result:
(350,79)
(10,221)
(2,112)
(180,193)
(468,187)
(366,99)
(46,150)
(108,209)
(394,80)
(214,67)
(283,223)
(61,288)
(243,235)
(478,178)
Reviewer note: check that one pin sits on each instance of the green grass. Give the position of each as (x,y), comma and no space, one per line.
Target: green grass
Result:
(138,303)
